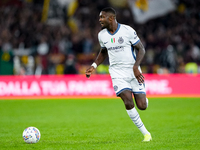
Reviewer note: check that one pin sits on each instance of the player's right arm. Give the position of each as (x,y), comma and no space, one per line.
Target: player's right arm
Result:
(103,54)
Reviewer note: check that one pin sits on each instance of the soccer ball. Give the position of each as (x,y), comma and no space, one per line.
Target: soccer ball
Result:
(31,135)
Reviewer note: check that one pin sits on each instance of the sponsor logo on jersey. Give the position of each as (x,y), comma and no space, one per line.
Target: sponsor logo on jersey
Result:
(115,48)
(120,40)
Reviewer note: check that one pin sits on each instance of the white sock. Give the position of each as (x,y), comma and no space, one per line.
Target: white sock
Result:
(147,101)
(135,117)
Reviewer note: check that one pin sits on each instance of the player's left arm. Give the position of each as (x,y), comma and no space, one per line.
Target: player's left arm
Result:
(103,54)
(140,55)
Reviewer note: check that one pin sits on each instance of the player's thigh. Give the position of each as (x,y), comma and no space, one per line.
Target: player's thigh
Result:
(139,94)
(140,100)
(127,98)
(123,90)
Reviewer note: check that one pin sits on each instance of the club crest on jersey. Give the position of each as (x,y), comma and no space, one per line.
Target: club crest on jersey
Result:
(120,40)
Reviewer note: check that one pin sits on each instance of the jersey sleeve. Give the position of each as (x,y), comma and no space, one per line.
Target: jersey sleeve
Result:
(134,39)
(100,41)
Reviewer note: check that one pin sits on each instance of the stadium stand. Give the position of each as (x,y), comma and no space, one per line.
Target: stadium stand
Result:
(29,45)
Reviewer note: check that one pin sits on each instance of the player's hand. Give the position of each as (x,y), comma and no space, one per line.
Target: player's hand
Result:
(138,74)
(89,71)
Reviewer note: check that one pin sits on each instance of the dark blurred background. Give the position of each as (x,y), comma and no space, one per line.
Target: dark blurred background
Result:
(60,36)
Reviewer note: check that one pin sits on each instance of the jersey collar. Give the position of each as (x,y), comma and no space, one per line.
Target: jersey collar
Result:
(118,26)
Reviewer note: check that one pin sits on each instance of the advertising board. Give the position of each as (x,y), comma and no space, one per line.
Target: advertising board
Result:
(74,86)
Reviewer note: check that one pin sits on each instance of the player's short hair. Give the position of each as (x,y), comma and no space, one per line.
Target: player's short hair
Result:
(110,10)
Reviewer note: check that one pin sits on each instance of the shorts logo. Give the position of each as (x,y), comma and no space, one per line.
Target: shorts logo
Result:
(141,86)
(120,40)
(115,88)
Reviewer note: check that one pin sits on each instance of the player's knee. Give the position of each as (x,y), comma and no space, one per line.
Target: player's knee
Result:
(128,104)
(142,105)
(142,108)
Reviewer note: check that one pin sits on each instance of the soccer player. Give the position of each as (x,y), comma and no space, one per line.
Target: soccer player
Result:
(119,43)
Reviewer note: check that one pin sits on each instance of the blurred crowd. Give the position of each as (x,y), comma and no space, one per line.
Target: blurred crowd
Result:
(30,46)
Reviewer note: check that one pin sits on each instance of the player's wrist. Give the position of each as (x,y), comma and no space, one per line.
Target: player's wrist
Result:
(94,65)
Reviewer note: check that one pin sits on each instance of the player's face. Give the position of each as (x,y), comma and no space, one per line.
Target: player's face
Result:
(104,19)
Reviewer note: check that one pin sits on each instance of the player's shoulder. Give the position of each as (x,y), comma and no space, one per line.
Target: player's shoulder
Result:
(126,27)
(101,33)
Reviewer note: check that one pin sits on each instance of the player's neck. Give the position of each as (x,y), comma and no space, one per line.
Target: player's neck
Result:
(113,27)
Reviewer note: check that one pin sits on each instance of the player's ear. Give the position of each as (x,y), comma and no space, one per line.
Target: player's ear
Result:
(111,17)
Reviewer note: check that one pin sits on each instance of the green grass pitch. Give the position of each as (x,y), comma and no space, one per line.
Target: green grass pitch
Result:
(100,124)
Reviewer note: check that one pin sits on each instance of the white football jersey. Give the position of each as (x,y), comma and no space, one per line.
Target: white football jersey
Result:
(120,50)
